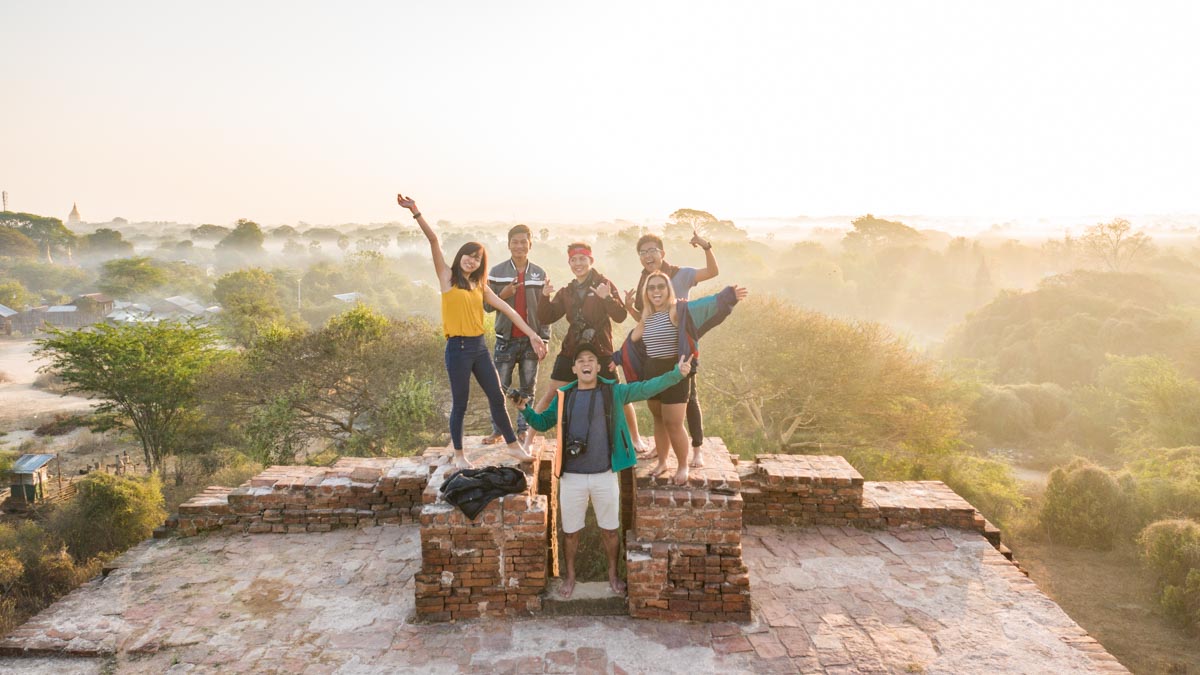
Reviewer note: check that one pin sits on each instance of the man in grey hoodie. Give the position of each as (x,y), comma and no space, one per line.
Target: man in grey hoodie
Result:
(518,282)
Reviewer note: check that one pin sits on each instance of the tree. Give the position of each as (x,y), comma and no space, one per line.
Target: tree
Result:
(14,244)
(49,233)
(361,382)
(13,295)
(1115,244)
(683,222)
(871,233)
(250,299)
(105,241)
(802,379)
(209,232)
(144,375)
(284,232)
(129,277)
(247,237)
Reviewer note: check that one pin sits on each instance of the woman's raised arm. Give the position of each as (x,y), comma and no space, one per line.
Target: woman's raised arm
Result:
(435,247)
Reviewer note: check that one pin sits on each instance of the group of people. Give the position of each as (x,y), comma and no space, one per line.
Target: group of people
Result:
(598,431)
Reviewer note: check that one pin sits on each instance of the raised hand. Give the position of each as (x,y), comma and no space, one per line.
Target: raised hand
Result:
(629,296)
(548,289)
(697,240)
(603,291)
(407,202)
(685,365)
(741,292)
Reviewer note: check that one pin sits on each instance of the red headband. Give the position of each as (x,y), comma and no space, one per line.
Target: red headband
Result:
(579,250)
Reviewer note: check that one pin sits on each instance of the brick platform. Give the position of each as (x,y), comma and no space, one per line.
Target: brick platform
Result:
(354,492)
(494,565)
(807,490)
(684,553)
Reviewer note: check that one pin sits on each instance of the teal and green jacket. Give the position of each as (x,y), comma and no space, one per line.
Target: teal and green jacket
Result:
(623,454)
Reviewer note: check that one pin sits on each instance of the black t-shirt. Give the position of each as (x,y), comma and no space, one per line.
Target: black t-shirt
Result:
(598,456)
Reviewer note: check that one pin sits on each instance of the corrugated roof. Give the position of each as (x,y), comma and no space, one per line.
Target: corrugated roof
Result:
(58,309)
(31,463)
(5,312)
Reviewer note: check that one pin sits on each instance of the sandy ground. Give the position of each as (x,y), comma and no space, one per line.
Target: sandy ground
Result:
(23,408)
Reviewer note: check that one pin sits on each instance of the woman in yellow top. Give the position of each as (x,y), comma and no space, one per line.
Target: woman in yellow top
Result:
(464,290)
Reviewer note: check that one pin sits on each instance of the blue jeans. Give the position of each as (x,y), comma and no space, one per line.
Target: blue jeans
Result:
(466,356)
(510,354)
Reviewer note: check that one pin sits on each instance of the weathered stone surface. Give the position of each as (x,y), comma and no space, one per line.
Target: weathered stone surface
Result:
(827,600)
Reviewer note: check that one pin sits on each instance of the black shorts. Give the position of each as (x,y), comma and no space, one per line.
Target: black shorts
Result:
(563,364)
(677,393)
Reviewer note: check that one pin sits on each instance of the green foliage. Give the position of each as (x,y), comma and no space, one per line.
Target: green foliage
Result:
(1157,406)
(105,241)
(384,283)
(1084,505)
(109,514)
(14,244)
(40,277)
(35,570)
(358,384)
(1167,483)
(144,374)
(246,237)
(209,232)
(1171,549)
(1020,414)
(1064,331)
(131,277)
(251,299)
(49,233)
(802,379)
(871,233)
(13,295)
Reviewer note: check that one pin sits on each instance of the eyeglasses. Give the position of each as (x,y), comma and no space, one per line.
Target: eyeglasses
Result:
(656,287)
(649,251)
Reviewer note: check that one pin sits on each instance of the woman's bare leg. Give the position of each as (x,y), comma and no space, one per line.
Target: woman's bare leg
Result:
(639,443)
(673,415)
(662,442)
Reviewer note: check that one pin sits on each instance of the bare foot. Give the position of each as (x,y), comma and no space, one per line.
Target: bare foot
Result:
(616,585)
(660,470)
(567,588)
(681,476)
(697,457)
(643,450)
(492,440)
(461,461)
(519,453)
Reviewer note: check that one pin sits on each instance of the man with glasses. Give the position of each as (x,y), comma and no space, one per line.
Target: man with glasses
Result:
(652,253)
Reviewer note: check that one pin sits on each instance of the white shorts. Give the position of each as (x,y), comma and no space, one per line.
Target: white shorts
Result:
(574,490)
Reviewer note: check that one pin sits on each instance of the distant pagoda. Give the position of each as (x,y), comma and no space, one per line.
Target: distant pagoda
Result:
(74,218)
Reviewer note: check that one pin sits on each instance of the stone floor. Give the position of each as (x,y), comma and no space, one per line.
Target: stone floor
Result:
(826,600)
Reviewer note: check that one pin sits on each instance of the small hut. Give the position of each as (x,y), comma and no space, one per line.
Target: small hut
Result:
(31,478)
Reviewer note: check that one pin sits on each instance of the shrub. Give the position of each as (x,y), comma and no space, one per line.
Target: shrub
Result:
(61,424)
(1171,549)
(110,513)
(51,383)
(35,571)
(1168,483)
(1084,505)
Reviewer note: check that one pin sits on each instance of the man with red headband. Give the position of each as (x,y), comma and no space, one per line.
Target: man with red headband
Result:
(590,304)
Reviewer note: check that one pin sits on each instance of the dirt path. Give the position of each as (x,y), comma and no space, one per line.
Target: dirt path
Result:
(1109,594)
(22,406)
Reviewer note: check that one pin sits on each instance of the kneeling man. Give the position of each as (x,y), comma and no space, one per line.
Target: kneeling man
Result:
(593,445)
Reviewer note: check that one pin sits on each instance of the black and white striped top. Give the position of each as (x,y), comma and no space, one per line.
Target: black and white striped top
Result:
(660,336)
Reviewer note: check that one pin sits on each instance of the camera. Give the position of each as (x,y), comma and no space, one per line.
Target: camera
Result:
(517,396)
(576,447)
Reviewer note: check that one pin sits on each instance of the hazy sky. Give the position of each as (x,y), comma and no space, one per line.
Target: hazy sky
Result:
(288,111)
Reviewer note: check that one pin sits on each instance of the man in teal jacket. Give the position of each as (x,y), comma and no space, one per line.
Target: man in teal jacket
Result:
(593,445)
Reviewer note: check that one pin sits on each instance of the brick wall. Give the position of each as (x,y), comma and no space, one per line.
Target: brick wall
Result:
(684,552)
(494,565)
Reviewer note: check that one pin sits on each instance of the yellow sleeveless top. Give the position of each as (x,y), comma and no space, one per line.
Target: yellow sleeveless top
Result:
(462,312)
